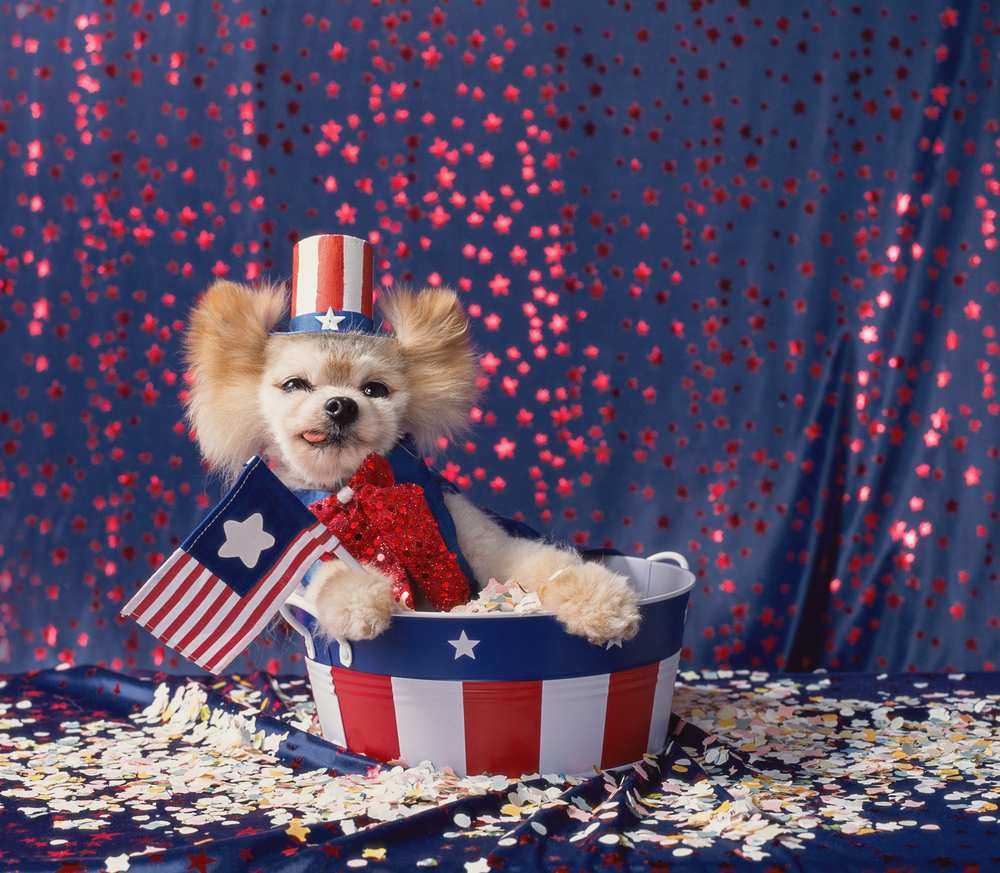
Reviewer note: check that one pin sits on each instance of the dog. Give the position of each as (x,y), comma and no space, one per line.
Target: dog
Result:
(316,405)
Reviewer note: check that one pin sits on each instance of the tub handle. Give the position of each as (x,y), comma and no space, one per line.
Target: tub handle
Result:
(676,557)
(297,600)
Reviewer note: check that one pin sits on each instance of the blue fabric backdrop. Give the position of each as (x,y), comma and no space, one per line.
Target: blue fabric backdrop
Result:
(732,268)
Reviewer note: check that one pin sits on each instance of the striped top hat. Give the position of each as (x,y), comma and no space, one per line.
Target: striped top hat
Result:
(331,285)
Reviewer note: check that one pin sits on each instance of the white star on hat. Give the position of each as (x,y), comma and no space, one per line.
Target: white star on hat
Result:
(464,647)
(329,321)
(246,540)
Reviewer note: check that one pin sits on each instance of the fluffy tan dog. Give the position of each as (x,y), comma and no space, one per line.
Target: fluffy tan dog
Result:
(317,404)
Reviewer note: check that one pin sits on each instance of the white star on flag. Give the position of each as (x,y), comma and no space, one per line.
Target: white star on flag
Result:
(611,643)
(329,321)
(464,647)
(246,540)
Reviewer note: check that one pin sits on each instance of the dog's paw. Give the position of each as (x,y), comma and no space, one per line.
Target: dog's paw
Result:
(352,604)
(592,602)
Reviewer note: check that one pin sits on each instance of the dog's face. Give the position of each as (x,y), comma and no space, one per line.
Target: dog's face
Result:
(317,404)
(330,401)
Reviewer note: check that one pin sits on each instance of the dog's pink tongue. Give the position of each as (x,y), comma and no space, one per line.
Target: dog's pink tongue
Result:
(314,436)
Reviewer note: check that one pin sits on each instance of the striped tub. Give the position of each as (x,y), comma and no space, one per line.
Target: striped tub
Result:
(502,693)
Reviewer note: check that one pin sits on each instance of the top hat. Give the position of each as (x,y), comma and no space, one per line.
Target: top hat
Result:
(331,285)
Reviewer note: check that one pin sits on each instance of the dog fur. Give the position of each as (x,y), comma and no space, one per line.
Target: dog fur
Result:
(254,392)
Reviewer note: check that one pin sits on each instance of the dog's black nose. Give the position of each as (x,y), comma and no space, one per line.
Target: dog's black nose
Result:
(341,410)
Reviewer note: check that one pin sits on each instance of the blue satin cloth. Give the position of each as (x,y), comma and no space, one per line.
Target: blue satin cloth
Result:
(915,820)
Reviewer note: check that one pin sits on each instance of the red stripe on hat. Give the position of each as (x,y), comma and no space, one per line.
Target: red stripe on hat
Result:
(626,721)
(367,305)
(503,727)
(330,278)
(295,278)
(368,713)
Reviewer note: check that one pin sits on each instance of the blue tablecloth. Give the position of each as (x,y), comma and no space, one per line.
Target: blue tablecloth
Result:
(99,771)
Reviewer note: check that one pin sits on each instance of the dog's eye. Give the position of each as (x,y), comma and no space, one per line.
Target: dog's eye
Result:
(295,384)
(374,389)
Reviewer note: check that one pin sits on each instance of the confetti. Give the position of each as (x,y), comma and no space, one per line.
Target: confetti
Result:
(496,597)
(183,769)
(297,830)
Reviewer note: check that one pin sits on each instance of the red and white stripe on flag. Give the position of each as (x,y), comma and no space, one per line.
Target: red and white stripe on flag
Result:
(547,726)
(190,609)
(332,271)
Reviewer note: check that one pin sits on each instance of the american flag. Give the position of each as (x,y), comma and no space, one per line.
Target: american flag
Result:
(214,595)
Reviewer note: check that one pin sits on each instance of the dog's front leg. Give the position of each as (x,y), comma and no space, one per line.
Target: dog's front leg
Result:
(352,603)
(588,598)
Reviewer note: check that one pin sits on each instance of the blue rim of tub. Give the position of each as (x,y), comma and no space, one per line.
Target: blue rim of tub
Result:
(506,647)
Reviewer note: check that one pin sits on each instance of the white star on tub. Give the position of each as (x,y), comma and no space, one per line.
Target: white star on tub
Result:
(329,321)
(464,646)
(246,540)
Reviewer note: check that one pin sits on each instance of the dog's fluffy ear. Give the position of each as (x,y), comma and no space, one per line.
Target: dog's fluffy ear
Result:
(225,346)
(433,332)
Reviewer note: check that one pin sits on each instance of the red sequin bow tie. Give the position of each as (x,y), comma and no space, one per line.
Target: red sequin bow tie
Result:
(390,527)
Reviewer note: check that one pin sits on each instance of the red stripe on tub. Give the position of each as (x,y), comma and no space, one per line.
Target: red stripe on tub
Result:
(503,726)
(368,713)
(630,707)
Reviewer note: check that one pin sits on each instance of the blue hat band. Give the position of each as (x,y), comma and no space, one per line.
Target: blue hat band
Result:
(332,321)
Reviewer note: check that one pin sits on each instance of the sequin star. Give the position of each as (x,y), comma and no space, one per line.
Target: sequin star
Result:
(329,321)
(246,540)
(464,646)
